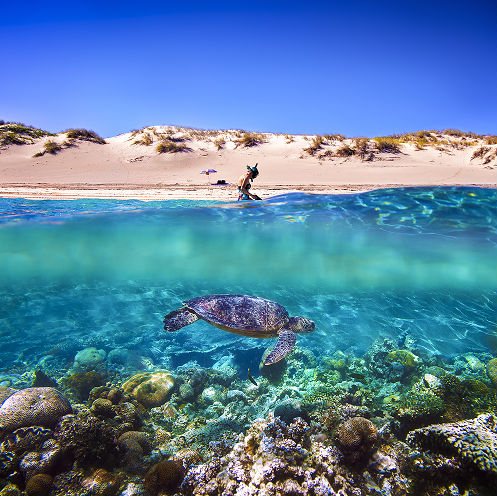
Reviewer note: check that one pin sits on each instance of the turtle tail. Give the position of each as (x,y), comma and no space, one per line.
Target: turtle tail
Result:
(178,319)
(284,345)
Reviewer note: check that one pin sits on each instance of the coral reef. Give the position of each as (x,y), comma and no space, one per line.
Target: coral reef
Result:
(334,427)
(81,383)
(165,476)
(134,444)
(90,359)
(405,357)
(471,441)
(33,406)
(150,388)
(90,440)
(273,458)
(356,438)
(39,485)
(492,371)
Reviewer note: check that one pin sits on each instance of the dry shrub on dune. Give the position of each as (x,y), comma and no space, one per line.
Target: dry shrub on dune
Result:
(250,139)
(85,135)
(171,147)
(317,144)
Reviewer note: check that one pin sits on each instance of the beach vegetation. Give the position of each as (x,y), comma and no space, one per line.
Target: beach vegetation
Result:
(248,140)
(145,140)
(491,140)
(85,135)
(420,144)
(387,144)
(16,133)
(52,147)
(362,148)
(345,151)
(167,146)
(334,137)
(219,143)
(424,135)
(454,132)
(289,139)
(480,152)
(490,157)
(326,154)
(317,144)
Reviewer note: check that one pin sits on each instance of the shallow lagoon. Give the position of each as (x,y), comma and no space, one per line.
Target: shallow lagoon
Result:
(388,263)
(411,269)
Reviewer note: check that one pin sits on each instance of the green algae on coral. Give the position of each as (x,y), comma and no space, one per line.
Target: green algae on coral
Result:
(405,357)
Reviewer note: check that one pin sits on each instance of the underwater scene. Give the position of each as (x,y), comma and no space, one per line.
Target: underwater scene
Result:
(112,382)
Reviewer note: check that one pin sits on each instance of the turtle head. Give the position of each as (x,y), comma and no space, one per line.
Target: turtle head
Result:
(301,325)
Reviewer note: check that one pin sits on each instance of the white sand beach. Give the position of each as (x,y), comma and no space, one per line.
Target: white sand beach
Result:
(130,166)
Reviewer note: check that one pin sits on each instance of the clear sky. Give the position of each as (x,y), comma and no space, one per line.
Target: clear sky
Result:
(354,67)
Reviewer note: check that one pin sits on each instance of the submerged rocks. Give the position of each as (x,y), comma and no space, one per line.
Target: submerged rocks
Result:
(33,406)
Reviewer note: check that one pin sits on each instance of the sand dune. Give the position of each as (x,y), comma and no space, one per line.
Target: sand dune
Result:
(129,165)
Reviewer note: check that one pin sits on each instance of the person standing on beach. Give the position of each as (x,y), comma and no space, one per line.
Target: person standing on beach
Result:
(244,183)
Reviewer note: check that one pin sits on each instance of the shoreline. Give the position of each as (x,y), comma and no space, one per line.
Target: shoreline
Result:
(157,192)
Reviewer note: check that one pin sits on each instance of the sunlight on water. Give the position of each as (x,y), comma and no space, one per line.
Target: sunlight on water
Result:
(382,263)
(271,243)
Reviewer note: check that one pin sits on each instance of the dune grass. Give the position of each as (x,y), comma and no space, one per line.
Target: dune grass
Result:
(316,145)
(16,133)
(145,140)
(219,143)
(51,147)
(344,151)
(387,144)
(247,140)
(85,135)
(167,146)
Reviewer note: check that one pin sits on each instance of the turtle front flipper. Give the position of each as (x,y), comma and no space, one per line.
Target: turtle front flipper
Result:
(178,319)
(284,345)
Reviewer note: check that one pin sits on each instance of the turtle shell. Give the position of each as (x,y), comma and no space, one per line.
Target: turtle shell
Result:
(242,314)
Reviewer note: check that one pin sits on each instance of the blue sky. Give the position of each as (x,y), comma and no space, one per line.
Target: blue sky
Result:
(355,67)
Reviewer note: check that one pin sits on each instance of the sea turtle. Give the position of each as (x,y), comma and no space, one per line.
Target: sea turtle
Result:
(246,315)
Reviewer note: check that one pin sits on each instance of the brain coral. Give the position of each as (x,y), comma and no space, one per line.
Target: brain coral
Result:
(356,436)
(473,441)
(5,392)
(492,371)
(41,406)
(164,476)
(151,389)
(39,485)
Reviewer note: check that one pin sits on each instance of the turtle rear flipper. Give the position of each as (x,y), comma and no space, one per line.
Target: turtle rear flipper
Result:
(178,319)
(284,345)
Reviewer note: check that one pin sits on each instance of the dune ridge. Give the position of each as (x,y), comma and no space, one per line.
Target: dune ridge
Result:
(165,162)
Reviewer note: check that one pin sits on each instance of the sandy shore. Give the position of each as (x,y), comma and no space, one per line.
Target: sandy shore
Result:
(129,166)
(176,192)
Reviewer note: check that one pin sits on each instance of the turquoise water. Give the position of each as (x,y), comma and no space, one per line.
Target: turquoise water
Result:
(416,262)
